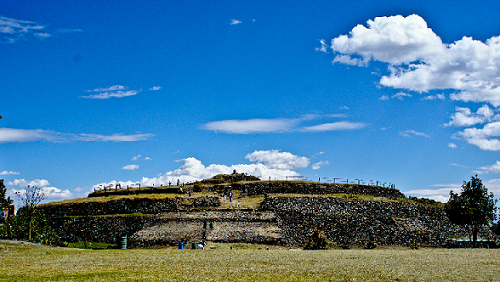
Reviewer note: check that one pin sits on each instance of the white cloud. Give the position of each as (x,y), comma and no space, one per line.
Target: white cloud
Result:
(442,194)
(118,137)
(324,46)
(53,193)
(281,125)
(345,59)
(483,137)
(409,133)
(25,183)
(115,91)
(14,30)
(319,165)
(235,22)
(272,163)
(155,88)
(50,193)
(135,158)
(336,126)
(80,189)
(317,154)
(418,60)
(493,185)
(464,116)
(8,172)
(31,135)
(251,126)
(278,160)
(401,95)
(494,168)
(452,145)
(459,165)
(434,97)
(130,167)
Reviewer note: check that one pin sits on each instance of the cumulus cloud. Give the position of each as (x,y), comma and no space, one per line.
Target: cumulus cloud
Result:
(8,172)
(235,22)
(130,167)
(267,164)
(465,117)
(14,30)
(418,60)
(25,183)
(115,91)
(484,138)
(281,125)
(155,88)
(50,193)
(278,160)
(452,145)
(409,133)
(31,135)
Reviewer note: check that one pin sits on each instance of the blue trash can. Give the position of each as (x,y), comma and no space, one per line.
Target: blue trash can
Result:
(181,245)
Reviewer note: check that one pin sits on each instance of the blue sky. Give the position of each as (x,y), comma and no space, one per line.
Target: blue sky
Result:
(103,92)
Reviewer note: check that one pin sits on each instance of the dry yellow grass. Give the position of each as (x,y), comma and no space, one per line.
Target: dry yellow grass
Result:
(43,263)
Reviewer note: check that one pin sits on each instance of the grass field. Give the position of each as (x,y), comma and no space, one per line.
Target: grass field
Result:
(20,262)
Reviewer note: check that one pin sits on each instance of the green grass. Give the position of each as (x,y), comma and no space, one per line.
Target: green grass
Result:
(20,262)
(91,245)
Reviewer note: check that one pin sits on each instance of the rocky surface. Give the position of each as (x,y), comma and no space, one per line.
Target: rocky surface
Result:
(354,222)
(127,206)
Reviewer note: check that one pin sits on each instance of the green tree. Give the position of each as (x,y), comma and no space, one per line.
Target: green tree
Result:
(473,207)
(4,202)
(30,199)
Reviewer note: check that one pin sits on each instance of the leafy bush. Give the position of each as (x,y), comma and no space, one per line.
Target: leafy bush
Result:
(16,227)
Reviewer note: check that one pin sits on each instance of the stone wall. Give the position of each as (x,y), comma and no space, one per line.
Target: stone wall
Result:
(127,206)
(243,226)
(315,188)
(354,222)
(287,221)
(227,226)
